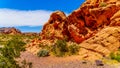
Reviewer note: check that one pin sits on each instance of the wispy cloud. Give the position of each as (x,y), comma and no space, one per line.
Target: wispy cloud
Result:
(11,17)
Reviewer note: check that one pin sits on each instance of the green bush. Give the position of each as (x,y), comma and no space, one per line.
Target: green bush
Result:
(8,63)
(60,48)
(115,56)
(13,48)
(73,49)
(43,53)
(102,4)
(9,52)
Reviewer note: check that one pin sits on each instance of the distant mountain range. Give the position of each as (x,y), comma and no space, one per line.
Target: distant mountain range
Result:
(14,31)
(36,29)
(10,30)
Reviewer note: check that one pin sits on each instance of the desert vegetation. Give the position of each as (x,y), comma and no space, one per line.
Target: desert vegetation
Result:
(4,38)
(10,51)
(10,48)
(115,56)
(103,4)
(43,53)
(60,48)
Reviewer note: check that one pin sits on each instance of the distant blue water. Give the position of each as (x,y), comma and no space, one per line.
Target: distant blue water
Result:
(30,29)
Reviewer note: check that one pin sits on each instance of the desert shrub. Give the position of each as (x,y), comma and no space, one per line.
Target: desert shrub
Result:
(73,49)
(43,53)
(115,56)
(62,45)
(59,48)
(9,52)
(8,62)
(102,4)
(13,48)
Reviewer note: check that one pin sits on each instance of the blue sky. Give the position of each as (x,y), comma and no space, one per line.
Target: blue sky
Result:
(28,14)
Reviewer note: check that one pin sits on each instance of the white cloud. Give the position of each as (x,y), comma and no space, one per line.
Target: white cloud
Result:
(11,17)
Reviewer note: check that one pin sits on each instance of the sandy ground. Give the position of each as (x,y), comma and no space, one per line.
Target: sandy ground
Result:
(58,62)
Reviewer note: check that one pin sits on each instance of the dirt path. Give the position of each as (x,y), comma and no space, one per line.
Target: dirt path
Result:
(58,62)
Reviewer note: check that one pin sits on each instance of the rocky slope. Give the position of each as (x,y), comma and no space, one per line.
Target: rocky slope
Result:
(95,26)
(102,44)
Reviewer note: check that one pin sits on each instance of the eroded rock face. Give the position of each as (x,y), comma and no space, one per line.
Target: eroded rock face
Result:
(54,28)
(103,43)
(84,22)
(115,19)
(99,1)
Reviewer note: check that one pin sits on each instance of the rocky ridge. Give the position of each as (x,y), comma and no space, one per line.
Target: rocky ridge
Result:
(14,31)
(9,30)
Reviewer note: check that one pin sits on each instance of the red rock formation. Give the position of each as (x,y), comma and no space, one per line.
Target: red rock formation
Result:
(55,27)
(82,23)
(96,22)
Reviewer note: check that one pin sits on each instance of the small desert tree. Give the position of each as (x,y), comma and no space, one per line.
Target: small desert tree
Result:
(60,48)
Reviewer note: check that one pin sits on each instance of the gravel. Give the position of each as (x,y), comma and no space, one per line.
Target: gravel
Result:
(59,62)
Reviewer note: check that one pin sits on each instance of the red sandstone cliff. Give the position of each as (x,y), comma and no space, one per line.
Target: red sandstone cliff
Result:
(82,23)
